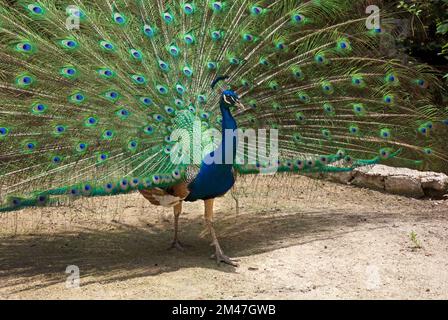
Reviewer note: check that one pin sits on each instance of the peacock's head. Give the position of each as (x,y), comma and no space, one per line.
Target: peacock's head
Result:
(229,98)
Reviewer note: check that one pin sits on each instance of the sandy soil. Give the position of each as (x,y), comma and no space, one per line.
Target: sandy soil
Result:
(296,238)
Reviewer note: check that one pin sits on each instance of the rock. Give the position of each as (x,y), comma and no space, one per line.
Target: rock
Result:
(386,171)
(403,181)
(341,177)
(435,181)
(368,180)
(404,185)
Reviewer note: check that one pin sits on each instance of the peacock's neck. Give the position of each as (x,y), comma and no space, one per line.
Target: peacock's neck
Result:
(228,134)
(228,122)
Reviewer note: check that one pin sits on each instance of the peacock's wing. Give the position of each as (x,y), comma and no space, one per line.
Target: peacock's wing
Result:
(90,110)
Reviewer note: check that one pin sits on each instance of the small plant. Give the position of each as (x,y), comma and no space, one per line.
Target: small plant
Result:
(414,240)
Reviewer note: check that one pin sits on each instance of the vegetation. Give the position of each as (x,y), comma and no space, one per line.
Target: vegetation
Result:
(431,45)
(414,239)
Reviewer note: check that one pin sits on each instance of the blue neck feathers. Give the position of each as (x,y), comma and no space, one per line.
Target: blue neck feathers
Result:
(229,128)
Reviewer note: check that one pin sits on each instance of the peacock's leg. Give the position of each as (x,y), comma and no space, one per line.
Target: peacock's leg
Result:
(219,255)
(176,243)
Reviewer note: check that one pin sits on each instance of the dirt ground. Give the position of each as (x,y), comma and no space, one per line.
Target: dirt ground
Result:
(296,238)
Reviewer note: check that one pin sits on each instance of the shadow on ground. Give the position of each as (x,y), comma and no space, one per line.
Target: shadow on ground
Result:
(128,252)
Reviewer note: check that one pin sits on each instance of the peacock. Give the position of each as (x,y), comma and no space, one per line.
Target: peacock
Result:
(96,96)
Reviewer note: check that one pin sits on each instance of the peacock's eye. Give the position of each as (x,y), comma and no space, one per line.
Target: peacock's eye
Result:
(36,9)
(136,54)
(119,18)
(174,51)
(256,10)
(24,47)
(107,45)
(297,17)
(189,39)
(248,37)
(188,8)
(187,71)
(149,31)
(217,6)
(168,17)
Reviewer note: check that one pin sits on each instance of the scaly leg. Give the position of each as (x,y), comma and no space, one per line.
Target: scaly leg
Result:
(219,255)
(176,243)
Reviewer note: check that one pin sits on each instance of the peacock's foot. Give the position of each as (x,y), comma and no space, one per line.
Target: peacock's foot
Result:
(177,245)
(221,257)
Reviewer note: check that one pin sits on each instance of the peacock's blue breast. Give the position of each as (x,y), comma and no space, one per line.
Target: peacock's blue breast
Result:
(212,181)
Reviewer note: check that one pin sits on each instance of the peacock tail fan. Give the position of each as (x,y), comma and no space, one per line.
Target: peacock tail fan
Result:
(91,91)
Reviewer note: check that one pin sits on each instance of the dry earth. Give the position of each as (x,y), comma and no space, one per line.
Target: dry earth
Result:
(296,238)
